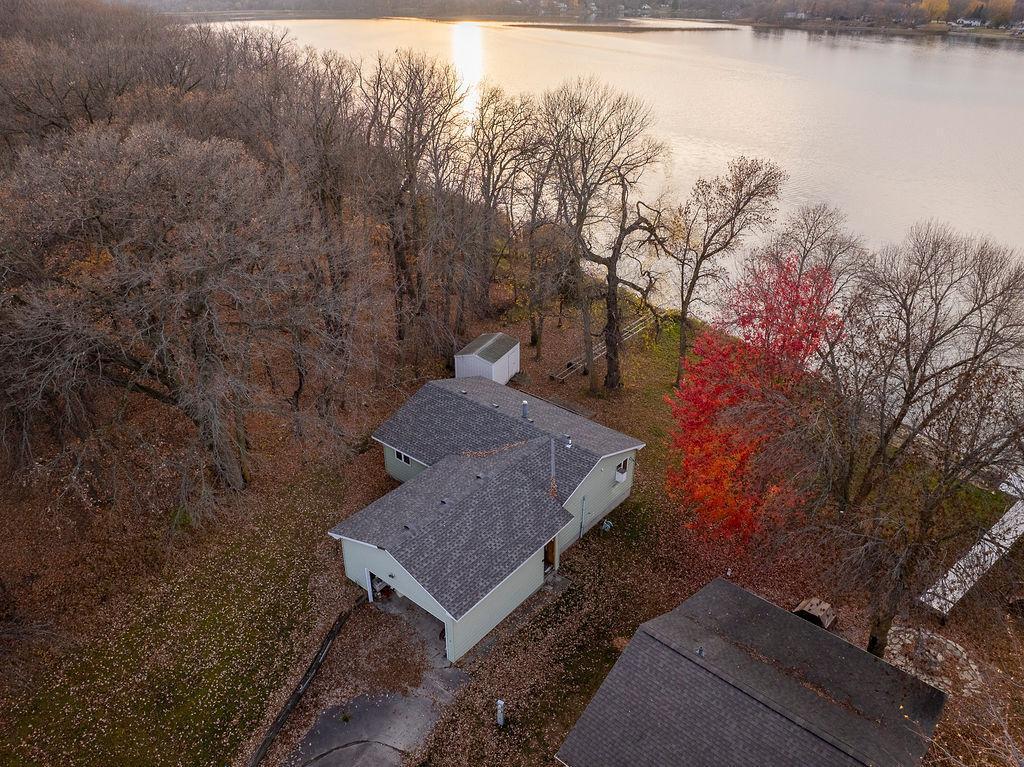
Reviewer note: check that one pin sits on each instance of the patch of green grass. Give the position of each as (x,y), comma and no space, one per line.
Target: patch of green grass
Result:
(559,703)
(979,506)
(634,520)
(185,676)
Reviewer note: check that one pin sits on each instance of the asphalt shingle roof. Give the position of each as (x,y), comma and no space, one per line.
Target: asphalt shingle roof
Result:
(456,416)
(463,526)
(489,346)
(730,680)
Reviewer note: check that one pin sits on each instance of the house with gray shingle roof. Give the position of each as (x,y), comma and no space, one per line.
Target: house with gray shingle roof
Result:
(496,484)
(728,679)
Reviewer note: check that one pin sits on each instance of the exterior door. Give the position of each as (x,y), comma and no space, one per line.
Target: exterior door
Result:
(550,553)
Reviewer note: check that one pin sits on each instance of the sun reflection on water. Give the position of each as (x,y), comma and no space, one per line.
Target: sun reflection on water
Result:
(468,58)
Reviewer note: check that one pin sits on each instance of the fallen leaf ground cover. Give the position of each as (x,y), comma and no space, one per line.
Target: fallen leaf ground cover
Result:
(190,665)
(184,674)
(548,666)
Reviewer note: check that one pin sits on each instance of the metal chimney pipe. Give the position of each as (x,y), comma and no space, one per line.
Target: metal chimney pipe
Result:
(568,441)
(553,490)
(526,409)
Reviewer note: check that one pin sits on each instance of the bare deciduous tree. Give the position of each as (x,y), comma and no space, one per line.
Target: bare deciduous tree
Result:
(410,102)
(716,219)
(601,147)
(818,237)
(504,142)
(159,266)
(928,390)
(912,411)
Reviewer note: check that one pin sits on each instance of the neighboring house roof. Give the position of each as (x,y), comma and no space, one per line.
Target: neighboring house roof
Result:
(467,415)
(489,346)
(465,525)
(728,679)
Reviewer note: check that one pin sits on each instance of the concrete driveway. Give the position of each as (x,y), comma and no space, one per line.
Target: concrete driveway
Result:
(378,731)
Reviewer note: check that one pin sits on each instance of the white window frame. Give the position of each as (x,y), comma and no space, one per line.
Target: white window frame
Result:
(403,457)
(622,470)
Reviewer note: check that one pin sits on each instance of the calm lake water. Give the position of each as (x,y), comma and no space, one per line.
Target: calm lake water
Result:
(891,130)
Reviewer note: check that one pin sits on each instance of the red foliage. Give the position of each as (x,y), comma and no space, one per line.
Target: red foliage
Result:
(782,316)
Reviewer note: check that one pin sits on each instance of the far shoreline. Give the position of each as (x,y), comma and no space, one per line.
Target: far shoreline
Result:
(622,26)
(929,31)
(627,26)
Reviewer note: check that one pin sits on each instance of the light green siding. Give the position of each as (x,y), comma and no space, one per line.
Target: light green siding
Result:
(597,495)
(399,469)
(460,635)
(496,606)
(360,557)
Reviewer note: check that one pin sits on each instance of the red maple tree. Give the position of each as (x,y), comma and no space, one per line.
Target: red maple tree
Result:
(781,313)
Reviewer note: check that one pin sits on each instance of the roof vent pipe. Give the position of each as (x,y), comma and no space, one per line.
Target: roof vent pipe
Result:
(553,489)
(526,409)
(568,440)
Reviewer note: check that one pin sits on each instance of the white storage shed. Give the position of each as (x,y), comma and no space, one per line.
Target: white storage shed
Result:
(491,355)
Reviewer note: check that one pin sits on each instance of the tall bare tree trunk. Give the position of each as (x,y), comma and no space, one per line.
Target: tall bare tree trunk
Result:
(613,334)
(537,333)
(588,342)
(684,335)
(884,614)
(242,446)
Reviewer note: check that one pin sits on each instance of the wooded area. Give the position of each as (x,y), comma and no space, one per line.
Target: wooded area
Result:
(216,220)
(220,230)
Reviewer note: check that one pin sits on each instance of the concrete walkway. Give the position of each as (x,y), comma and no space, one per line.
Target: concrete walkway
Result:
(378,731)
(943,595)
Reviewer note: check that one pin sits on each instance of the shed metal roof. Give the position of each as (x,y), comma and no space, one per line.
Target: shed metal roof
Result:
(489,346)
(728,679)
(463,526)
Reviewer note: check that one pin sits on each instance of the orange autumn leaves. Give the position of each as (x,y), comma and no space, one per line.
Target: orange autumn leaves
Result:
(736,397)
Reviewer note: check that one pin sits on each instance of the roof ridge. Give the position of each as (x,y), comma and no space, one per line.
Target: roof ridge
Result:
(471,463)
(509,447)
(763,698)
(529,423)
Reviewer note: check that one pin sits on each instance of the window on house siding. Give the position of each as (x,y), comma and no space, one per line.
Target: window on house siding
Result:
(403,457)
(621,470)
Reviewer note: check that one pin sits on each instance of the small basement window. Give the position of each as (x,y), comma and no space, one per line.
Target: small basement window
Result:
(403,457)
(622,470)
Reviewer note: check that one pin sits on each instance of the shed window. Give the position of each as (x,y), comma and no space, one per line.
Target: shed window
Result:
(403,457)
(621,471)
